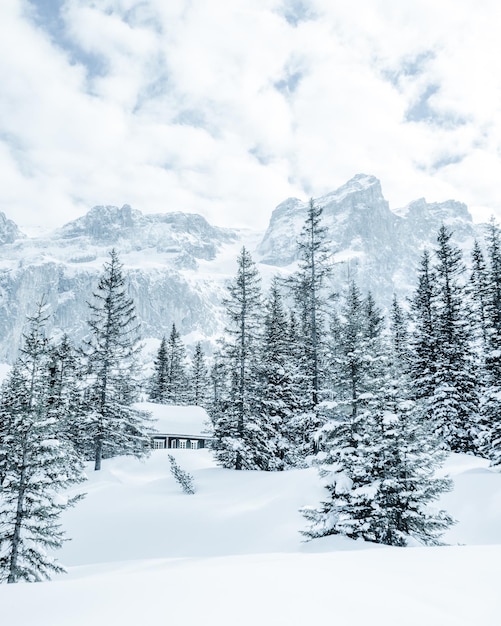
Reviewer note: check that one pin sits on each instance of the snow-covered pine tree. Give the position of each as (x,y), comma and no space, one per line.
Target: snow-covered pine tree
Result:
(405,456)
(493,357)
(423,338)
(279,402)
(36,466)
(478,289)
(377,460)
(399,331)
(177,379)
(158,384)
(308,286)
(183,478)
(350,359)
(305,420)
(199,379)
(239,439)
(347,439)
(442,360)
(65,402)
(218,377)
(490,405)
(455,402)
(110,357)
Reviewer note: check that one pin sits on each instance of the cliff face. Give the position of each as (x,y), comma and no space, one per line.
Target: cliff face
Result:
(161,256)
(377,246)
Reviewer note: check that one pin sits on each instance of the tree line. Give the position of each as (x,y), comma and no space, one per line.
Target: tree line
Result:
(309,375)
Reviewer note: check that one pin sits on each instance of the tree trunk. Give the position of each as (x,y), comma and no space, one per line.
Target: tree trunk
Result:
(16,539)
(99,454)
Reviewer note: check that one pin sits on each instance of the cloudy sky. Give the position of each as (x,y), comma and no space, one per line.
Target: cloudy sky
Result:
(227,107)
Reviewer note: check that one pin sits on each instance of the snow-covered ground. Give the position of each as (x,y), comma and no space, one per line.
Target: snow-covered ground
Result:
(145,553)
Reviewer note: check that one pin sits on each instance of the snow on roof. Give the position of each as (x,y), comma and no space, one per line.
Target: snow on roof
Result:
(170,419)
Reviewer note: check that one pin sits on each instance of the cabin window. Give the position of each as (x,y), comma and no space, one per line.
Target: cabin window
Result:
(158,443)
(182,443)
(173,443)
(194,445)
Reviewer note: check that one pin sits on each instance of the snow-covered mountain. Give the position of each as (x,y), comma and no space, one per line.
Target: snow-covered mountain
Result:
(178,263)
(378,246)
(167,258)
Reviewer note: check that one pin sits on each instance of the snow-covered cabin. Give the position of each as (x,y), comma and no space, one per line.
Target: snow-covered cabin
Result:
(175,426)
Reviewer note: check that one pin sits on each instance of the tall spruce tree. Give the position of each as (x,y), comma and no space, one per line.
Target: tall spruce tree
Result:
(176,375)
(478,289)
(36,465)
(309,292)
(309,286)
(490,407)
(442,356)
(158,383)
(455,400)
(239,440)
(110,355)
(351,359)
(399,333)
(423,339)
(65,401)
(198,377)
(377,460)
(279,401)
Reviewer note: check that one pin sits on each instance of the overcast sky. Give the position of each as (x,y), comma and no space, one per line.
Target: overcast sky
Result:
(227,107)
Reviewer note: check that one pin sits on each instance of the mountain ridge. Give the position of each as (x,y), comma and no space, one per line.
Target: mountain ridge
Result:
(178,264)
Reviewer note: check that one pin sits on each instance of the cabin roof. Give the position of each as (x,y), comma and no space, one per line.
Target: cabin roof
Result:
(170,419)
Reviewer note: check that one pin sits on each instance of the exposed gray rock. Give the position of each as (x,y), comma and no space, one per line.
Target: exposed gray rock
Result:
(9,230)
(377,246)
(160,253)
(177,263)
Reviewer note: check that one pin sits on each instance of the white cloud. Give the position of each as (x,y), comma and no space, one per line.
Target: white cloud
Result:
(226,108)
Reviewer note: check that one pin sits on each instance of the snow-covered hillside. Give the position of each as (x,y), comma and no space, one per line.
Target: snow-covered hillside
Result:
(143,552)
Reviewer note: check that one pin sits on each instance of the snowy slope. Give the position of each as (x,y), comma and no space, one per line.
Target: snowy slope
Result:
(145,553)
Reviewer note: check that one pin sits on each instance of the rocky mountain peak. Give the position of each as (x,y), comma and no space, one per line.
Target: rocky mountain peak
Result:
(9,230)
(103,223)
(358,205)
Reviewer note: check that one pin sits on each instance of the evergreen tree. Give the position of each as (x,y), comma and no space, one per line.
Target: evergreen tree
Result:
(352,358)
(490,406)
(218,385)
(183,478)
(110,355)
(35,465)
(308,288)
(158,387)
(176,387)
(238,436)
(399,334)
(493,360)
(424,339)
(65,394)
(454,402)
(198,377)
(378,457)
(306,418)
(279,401)
(442,357)
(479,297)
